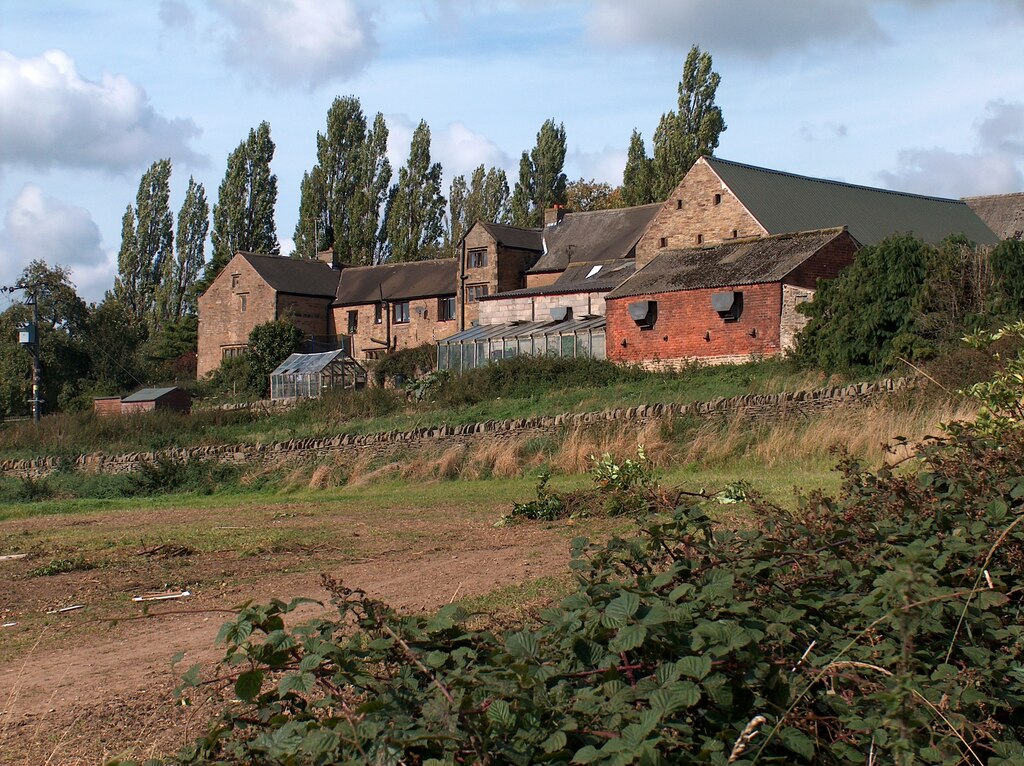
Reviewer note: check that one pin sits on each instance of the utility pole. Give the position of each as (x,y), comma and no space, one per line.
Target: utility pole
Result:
(28,337)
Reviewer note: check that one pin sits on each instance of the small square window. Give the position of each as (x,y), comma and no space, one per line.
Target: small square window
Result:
(679,204)
(234,280)
(401,312)
(663,242)
(718,199)
(735,233)
(475,292)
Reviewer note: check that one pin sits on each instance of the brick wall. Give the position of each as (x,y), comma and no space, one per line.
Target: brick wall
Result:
(437,439)
(691,211)
(685,318)
(537,308)
(222,322)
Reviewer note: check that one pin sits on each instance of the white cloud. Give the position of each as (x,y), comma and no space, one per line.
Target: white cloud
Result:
(460,151)
(39,227)
(62,119)
(298,41)
(995,166)
(605,165)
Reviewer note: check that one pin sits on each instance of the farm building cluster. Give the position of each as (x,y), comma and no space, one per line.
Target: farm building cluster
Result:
(713,273)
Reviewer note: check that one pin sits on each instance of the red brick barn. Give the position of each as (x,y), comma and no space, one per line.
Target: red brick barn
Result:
(151,399)
(722,303)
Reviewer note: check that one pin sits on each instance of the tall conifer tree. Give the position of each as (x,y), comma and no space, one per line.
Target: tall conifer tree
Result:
(146,258)
(542,180)
(636,178)
(413,226)
(190,244)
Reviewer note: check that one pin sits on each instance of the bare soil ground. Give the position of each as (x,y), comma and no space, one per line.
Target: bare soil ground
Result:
(89,685)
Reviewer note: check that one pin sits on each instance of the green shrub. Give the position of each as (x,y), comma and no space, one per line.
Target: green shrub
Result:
(61,566)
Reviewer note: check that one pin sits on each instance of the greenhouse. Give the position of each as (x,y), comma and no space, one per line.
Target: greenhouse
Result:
(481,345)
(309,375)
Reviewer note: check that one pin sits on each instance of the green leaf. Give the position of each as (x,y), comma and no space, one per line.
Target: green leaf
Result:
(296,682)
(522,644)
(695,666)
(586,754)
(555,742)
(620,609)
(629,637)
(435,659)
(798,742)
(191,676)
(310,661)
(501,714)
(248,685)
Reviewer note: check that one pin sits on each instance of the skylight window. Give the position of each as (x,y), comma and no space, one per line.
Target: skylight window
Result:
(593,271)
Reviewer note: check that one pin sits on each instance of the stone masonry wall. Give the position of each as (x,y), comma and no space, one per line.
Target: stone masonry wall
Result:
(537,308)
(437,439)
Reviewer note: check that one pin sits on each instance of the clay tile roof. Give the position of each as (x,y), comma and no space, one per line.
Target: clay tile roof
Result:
(296,276)
(597,235)
(1003,213)
(783,202)
(737,262)
(515,236)
(397,281)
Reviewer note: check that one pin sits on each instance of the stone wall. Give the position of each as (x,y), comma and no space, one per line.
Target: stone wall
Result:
(437,439)
(537,308)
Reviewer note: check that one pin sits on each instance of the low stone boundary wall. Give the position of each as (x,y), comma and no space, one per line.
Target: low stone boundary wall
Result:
(757,406)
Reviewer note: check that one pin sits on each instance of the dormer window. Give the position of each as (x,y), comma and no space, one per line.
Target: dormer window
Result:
(593,271)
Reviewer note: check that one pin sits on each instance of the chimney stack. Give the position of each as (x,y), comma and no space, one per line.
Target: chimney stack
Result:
(327,256)
(554,215)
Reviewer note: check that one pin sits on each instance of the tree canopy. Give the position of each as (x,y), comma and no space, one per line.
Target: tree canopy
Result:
(413,227)
(542,179)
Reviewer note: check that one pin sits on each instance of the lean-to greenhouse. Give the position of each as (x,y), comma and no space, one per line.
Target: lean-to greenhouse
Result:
(481,345)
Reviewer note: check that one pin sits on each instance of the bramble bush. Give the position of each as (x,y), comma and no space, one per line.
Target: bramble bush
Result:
(880,625)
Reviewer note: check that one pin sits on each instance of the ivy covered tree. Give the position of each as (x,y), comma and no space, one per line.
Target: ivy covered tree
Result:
(484,198)
(146,257)
(542,179)
(413,227)
(343,193)
(270,344)
(243,216)
(683,135)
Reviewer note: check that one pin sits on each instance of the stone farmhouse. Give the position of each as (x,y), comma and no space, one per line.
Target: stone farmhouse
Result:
(761,235)
(1003,213)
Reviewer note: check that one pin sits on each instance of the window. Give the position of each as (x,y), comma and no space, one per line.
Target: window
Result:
(679,204)
(700,239)
(735,233)
(446,309)
(663,242)
(243,302)
(477,259)
(401,312)
(353,322)
(378,313)
(234,280)
(475,293)
(230,352)
(718,199)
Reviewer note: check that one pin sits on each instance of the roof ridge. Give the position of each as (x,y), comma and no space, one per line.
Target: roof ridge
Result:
(833,182)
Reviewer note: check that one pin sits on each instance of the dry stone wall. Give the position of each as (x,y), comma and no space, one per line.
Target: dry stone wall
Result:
(756,406)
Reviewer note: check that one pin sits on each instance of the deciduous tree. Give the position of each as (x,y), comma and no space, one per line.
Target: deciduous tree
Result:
(413,226)
(177,296)
(542,178)
(484,198)
(637,188)
(582,195)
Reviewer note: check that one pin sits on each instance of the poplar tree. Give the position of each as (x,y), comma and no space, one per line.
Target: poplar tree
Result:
(484,198)
(413,226)
(684,135)
(542,181)
(146,257)
(243,218)
(190,244)
(636,178)
(343,193)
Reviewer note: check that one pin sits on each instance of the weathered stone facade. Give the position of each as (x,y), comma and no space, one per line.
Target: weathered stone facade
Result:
(376,330)
(437,439)
(503,268)
(701,210)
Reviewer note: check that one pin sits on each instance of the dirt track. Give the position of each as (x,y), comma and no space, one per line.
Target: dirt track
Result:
(77,689)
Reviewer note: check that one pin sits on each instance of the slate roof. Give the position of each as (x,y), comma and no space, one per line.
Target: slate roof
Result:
(748,261)
(579,278)
(148,394)
(296,276)
(595,235)
(515,236)
(784,202)
(397,281)
(1003,213)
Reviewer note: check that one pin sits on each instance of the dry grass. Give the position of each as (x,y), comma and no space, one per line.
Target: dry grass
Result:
(620,440)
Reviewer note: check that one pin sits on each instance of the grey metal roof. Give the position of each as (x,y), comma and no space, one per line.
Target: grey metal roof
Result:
(397,281)
(1003,213)
(525,329)
(784,202)
(306,363)
(296,276)
(515,236)
(579,278)
(739,262)
(149,394)
(596,235)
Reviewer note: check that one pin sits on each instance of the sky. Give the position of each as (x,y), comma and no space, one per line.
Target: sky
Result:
(925,96)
